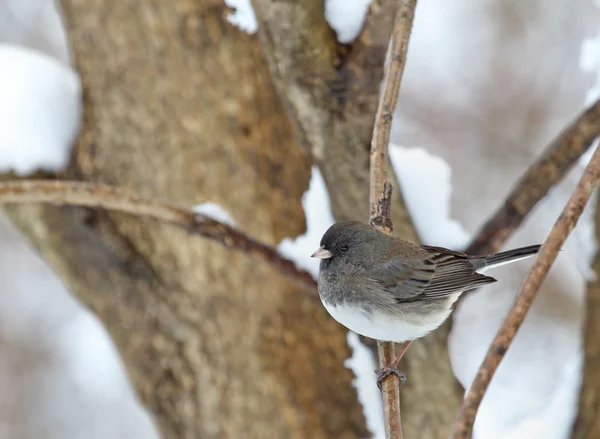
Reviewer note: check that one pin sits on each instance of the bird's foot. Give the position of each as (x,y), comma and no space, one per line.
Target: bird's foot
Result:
(382,374)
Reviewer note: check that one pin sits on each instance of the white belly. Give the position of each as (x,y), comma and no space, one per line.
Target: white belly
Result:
(379,326)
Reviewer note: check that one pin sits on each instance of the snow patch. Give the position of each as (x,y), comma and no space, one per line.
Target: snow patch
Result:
(36,24)
(346,17)
(551,421)
(33,301)
(214,211)
(40,111)
(319,217)
(363,365)
(58,362)
(97,371)
(425,182)
(243,17)
(589,62)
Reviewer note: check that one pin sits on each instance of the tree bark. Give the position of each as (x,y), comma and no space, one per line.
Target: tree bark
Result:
(332,91)
(587,424)
(182,106)
(179,106)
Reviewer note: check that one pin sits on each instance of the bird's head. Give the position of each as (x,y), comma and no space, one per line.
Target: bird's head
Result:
(346,240)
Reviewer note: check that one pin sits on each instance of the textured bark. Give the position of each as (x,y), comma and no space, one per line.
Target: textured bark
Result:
(587,425)
(179,106)
(114,199)
(184,107)
(332,92)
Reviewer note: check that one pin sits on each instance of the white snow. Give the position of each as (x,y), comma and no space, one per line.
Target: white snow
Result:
(346,17)
(35,24)
(538,426)
(475,94)
(214,211)
(363,364)
(59,371)
(40,110)
(425,180)
(318,219)
(590,62)
(99,369)
(243,17)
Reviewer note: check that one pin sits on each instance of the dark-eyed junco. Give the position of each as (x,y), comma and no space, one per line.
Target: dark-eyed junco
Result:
(388,289)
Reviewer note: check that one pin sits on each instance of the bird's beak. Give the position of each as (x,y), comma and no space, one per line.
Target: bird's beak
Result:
(321,254)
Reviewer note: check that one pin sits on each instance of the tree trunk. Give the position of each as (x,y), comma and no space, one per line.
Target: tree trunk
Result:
(587,424)
(182,106)
(332,91)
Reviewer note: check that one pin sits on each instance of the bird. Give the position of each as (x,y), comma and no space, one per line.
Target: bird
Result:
(388,289)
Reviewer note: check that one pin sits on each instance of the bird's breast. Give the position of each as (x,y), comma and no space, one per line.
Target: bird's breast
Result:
(379,325)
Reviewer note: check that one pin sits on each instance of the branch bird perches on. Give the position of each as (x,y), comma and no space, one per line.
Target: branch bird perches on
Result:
(381,189)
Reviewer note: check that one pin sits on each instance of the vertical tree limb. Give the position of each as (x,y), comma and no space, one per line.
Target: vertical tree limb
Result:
(381,190)
(560,231)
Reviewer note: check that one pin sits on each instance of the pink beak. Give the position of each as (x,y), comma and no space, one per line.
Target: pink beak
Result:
(321,254)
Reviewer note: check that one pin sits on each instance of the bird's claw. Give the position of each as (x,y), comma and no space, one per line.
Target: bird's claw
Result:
(382,374)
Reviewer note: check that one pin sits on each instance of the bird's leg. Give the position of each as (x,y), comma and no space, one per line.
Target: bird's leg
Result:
(391,368)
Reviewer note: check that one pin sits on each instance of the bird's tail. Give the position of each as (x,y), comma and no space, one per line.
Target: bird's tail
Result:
(506,257)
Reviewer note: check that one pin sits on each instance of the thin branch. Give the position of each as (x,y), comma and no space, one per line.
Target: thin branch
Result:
(111,198)
(548,253)
(546,172)
(381,189)
(587,424)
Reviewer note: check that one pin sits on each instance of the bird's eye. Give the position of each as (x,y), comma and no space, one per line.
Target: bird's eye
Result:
(343,248)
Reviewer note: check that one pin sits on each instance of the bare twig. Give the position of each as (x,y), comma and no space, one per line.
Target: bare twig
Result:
(587,424)
(547,171)
(111,198)
(558,235)
(381,189)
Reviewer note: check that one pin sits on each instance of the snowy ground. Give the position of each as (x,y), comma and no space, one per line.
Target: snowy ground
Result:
(487,85)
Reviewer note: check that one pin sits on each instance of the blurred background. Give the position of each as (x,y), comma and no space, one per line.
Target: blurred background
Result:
(260,114)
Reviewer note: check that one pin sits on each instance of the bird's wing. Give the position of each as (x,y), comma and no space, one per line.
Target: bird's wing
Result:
(437,273)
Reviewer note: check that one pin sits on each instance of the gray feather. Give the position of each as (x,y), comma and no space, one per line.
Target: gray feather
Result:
(389,270)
